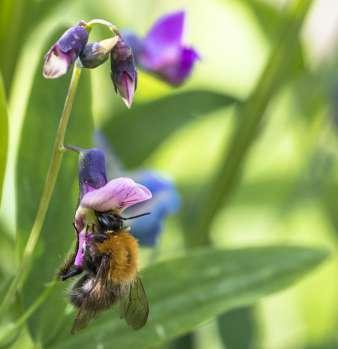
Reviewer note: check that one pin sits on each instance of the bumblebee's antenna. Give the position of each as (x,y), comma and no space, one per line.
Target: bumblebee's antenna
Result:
(138,216)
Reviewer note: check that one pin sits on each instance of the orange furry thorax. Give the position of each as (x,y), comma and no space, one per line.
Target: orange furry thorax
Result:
(122,249)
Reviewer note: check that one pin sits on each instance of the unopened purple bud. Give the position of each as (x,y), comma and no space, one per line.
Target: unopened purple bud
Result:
(92,170)
(123,71)
(64,52)
(96,53)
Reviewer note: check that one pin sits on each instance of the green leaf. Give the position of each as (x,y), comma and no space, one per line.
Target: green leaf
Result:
(187,291)
(19,19)
(270,18)
(3,134)
(7,256)
(39,129)
(134,134)
(237,328)
(251,113)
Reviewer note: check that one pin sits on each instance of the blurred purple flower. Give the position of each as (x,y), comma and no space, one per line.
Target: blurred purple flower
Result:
(123,71)
(64,52)
(165,201)
(162,51)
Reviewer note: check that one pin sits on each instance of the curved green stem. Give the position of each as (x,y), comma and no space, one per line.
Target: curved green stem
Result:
(107,24)
(48,189)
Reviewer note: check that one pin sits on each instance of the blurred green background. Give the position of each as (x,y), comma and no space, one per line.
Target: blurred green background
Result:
(285,191)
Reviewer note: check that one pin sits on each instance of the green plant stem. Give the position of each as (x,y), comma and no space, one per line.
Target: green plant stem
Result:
(250,115)
(48,189)
(103,22)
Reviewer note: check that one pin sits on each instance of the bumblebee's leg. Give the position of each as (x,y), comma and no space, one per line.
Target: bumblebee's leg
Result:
(72,271)
(67,270)
(80,290)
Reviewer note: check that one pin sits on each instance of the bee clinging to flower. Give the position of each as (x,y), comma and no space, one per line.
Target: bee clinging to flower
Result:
(106,251)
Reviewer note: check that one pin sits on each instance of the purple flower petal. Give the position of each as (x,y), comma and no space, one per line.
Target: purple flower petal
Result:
(126,87)
(161,46)
(176,72)
(56,63)
(118,194)
(162,51)
(167,32)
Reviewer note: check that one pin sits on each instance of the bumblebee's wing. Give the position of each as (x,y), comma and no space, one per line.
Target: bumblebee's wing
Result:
(82,319)
(134,306)
(95,299)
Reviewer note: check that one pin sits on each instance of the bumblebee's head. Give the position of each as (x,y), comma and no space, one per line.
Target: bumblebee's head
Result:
(109,220)
(112,220)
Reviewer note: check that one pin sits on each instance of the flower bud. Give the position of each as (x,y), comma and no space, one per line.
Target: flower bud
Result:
(123,71)
(92,170)
(96,53)
(64,52)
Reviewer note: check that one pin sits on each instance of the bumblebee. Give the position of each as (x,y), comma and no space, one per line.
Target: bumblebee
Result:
(111,260)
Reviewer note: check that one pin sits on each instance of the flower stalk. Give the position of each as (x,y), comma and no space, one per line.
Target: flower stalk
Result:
(100,21)
(48,189)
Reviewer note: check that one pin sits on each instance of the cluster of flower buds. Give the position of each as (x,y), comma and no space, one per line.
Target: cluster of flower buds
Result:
(73,45)
(161,52)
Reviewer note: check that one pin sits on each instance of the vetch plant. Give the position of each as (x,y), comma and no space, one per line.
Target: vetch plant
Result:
(115,213)
(73,48)
(60,57)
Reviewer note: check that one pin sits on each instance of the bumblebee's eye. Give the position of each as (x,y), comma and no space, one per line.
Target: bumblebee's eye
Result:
(109,220)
